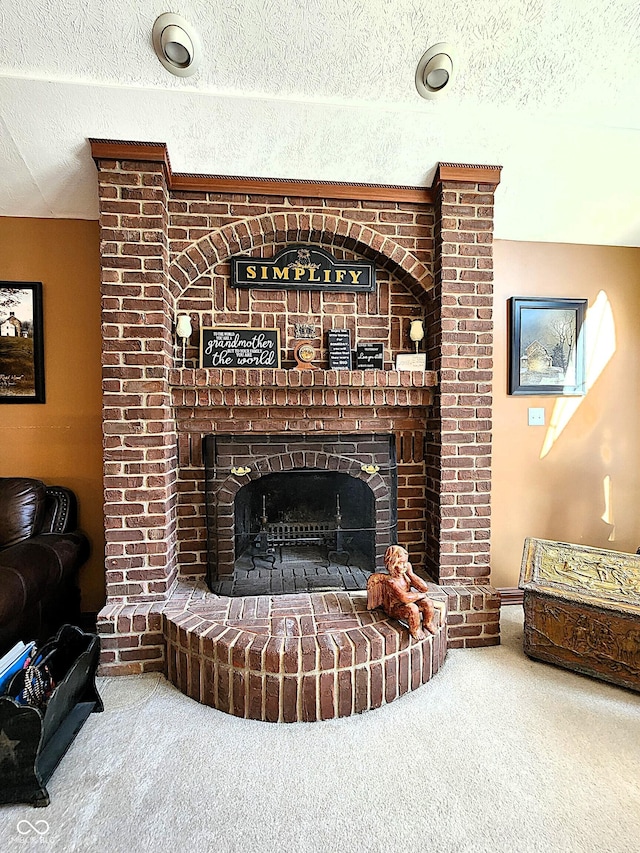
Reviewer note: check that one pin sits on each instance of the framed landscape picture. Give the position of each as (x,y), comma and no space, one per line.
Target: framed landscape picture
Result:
(21,342)
(546,346)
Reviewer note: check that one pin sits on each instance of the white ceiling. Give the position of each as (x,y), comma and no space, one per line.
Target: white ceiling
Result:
(324,90)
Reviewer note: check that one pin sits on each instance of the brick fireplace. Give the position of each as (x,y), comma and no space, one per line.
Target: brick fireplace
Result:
(166,241)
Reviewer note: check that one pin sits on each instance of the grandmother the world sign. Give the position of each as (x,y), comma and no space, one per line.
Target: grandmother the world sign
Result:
(225,347)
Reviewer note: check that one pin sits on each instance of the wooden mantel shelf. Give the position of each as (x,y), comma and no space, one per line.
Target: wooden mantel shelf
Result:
(252,378)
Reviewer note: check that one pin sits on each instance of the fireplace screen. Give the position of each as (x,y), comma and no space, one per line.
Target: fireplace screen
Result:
(309,527)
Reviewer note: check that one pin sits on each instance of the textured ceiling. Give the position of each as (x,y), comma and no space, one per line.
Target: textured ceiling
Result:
(324,90)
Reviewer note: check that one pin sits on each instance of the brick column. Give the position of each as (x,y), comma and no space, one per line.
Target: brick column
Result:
(461,338)
(461,327)
(138,426)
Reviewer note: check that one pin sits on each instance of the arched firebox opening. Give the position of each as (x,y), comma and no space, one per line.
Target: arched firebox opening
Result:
(298,513)
(305,529)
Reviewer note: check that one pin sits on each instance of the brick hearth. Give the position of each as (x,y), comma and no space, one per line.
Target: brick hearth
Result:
(294,658)
(166,244)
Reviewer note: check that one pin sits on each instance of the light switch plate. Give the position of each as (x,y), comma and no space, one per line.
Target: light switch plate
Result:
(536,417)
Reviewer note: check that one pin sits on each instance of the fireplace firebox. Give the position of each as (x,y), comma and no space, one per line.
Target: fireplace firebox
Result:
(298,513)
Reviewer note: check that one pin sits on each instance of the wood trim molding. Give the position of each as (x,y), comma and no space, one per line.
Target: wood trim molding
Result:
(145,152)
(307,189)
(156,152)
(510,595)
(467,173)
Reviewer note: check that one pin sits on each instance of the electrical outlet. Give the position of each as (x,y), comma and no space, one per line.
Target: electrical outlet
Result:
(536,417)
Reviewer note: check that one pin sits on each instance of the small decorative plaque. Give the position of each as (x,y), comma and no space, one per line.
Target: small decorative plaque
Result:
(225,347)
(370,357)
(411,361)
(339,345)
(304,331)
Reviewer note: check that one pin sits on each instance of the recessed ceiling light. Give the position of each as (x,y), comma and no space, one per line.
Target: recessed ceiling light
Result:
(436,70)
(177,44)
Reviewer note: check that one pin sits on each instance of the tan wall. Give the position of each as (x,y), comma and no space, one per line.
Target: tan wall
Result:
(561,494)
(60,441)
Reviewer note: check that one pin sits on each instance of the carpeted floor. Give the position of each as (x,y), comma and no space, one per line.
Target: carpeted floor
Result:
(498,754)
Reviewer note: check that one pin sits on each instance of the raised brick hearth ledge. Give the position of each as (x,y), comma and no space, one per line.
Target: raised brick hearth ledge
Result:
(295,658)
(292,658)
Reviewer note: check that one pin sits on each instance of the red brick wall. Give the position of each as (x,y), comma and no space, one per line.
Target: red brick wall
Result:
(460,334)
(138,425)
(284,409)
(398,236)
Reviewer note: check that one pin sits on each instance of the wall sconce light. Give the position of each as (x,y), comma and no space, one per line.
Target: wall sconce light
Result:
(184,330)
(177,44)
(416,332)
(436,70)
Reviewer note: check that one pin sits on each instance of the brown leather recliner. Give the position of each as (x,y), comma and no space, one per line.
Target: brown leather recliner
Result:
(41,550)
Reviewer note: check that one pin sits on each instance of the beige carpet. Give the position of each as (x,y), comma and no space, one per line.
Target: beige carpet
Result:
(497,754)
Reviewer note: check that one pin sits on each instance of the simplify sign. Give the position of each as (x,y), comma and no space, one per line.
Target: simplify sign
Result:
(303,268)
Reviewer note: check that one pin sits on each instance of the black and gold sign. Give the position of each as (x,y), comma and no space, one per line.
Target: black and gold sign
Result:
(339,346)
(303,268)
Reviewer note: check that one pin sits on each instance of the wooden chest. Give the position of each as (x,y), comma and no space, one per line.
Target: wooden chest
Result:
(582,609)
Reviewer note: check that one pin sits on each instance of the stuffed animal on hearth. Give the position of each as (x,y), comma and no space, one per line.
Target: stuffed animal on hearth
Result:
(393,593)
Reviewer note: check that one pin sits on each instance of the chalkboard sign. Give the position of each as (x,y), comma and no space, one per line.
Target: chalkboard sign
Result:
(370,357)
(224,347)
(339,344)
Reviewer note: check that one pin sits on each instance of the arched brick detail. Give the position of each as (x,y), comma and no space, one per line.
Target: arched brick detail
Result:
(322,228)
(280,462)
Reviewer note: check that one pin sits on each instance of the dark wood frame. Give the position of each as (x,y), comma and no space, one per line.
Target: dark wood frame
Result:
(38,395)
(515,307)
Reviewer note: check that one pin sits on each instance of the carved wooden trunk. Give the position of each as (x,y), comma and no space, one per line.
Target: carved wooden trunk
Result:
(582,609)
